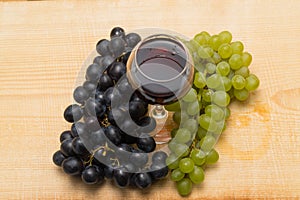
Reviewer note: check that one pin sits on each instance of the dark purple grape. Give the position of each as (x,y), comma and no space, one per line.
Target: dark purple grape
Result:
(116,46)
(92,123)
(158,171)
(58,158)
(73,113)
(78,129)
(143,180)
(112,97)
(97,138)
(132,39)
(105,82)
(78,147)
(159,157)
(135,97)
(90,175)
(107,60)
(147,144)
(124,87)
(139,159)
(113,134)
(66,147)
(94,108)
(115,116)
(98,60)
(147,124)
(121,177)
(136,110)
(65,135)
(108,172)
(90,87)
(72,166)
(116,70)
(94,72)
(117,32)
(80,94)
(128,126)
(102,47)
(99,96)
(130,167)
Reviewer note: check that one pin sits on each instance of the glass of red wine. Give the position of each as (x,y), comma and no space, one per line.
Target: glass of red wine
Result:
(161,69)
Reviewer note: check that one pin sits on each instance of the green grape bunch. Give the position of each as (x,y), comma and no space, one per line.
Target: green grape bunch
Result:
(221,75)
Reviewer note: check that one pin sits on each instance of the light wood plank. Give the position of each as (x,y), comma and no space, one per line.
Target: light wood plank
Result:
(44,43)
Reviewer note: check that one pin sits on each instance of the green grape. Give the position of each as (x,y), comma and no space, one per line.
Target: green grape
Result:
(252,82)
(173,107)
(210,68)
(220,127)
(172,145)
(177,175)
(206,34)
(221,98)
(186,165)
(247,59)
(201,39)
(199,97)
(202,52)
(198,156)
(179,117)
(238,82)
(231,74)
(213,81)
(197,175)
(215,42)
(207,95)
(227,112)
(190,96)
(235,61)
(241,95)
(231,93)
(207,122)
(174,132)
(225,37)
(182,150)
(216,58)
(184,186)
(191,125)
(223,68)
(226,83)
(207,143)
(225,51)
(172,161)
(215,112)
(243,71)
(201,132)
(192,48)
(193,108)
(183,135)
(199,80)
(237,47)
(199,67)
(212,157)
(209,51)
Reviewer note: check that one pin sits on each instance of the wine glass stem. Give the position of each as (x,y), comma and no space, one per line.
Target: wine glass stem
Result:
(160,115)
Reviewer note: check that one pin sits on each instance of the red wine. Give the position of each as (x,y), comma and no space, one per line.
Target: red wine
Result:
(160,70)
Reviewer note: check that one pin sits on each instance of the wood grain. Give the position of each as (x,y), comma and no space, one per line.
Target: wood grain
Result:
(44,43)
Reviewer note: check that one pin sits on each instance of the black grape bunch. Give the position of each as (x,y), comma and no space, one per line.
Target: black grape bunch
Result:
(109,136)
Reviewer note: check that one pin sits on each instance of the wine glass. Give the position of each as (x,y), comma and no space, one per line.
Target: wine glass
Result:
(161,69)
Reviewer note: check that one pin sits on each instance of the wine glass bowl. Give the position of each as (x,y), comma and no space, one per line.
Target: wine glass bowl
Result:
(161,69)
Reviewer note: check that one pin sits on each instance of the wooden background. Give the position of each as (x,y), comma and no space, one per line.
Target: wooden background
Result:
(44,43)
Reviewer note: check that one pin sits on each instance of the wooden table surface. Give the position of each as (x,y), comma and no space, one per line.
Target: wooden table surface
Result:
(44,43)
